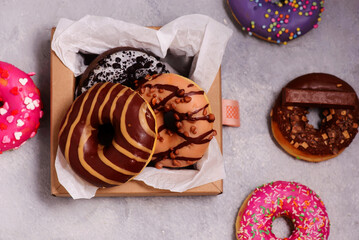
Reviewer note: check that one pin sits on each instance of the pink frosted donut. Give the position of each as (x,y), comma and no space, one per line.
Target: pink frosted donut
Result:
(282,199)
(20,107)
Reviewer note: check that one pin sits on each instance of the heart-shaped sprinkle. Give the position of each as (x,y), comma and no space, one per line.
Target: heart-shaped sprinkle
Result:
(10,118)
(27,100)
(30,106)
(6,139)
(41,114)
(31,95)
(3,82)
(29,103)
(32,134)
(14,112)
(26,115)
(20,123)
(6,106)
(23,81)
(17,135)
(14,91)
(4,74)
(3,126)
(3,111)
(36,102)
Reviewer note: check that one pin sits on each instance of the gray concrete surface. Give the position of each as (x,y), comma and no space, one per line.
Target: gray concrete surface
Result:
(253,72)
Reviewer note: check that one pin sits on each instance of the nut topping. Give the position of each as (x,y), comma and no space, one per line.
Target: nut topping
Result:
(211,117)
(176,116)
(154,101)
(180,92)
(305,145)
(187,99)
(346,134)
(324,136)
(193,129)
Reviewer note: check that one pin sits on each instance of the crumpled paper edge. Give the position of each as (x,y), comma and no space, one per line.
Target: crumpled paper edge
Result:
(76,186)
(187,178)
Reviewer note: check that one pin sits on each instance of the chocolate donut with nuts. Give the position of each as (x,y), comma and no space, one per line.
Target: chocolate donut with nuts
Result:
(184,119)
(339,111)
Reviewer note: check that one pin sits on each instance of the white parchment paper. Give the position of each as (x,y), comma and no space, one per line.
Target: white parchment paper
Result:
(196,36)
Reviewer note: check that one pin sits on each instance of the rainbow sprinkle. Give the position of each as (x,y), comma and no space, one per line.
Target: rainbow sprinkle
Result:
(277,21)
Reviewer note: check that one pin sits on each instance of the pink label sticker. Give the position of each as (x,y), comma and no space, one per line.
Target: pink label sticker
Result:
(230,113)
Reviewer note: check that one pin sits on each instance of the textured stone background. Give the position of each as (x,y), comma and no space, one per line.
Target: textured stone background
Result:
(253,72)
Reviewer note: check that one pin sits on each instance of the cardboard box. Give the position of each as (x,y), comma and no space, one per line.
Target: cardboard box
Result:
(62,92)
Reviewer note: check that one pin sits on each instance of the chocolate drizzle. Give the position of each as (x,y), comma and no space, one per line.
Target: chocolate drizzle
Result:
(198,140)
(173,120)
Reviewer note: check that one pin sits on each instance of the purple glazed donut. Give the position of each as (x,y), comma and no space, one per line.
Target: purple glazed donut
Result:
(277,21)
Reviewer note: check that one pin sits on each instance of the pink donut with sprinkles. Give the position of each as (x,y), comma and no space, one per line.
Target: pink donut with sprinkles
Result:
(282,199)
(20,107)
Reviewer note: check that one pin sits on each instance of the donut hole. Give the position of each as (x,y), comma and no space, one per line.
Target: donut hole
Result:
(282,227)
(105,134)
(315,117)
(169,121)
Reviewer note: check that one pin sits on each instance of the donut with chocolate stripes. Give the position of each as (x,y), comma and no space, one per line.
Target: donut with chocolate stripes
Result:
(108,135)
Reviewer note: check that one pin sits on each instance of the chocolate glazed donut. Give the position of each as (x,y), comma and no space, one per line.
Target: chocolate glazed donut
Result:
(128,66)
(108,135)
(184,119)
(340,113)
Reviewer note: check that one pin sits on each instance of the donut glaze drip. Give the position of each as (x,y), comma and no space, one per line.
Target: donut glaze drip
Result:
(185,121)
(134,138)
(20,107)
(121,65)
(283,199)
(277,21)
